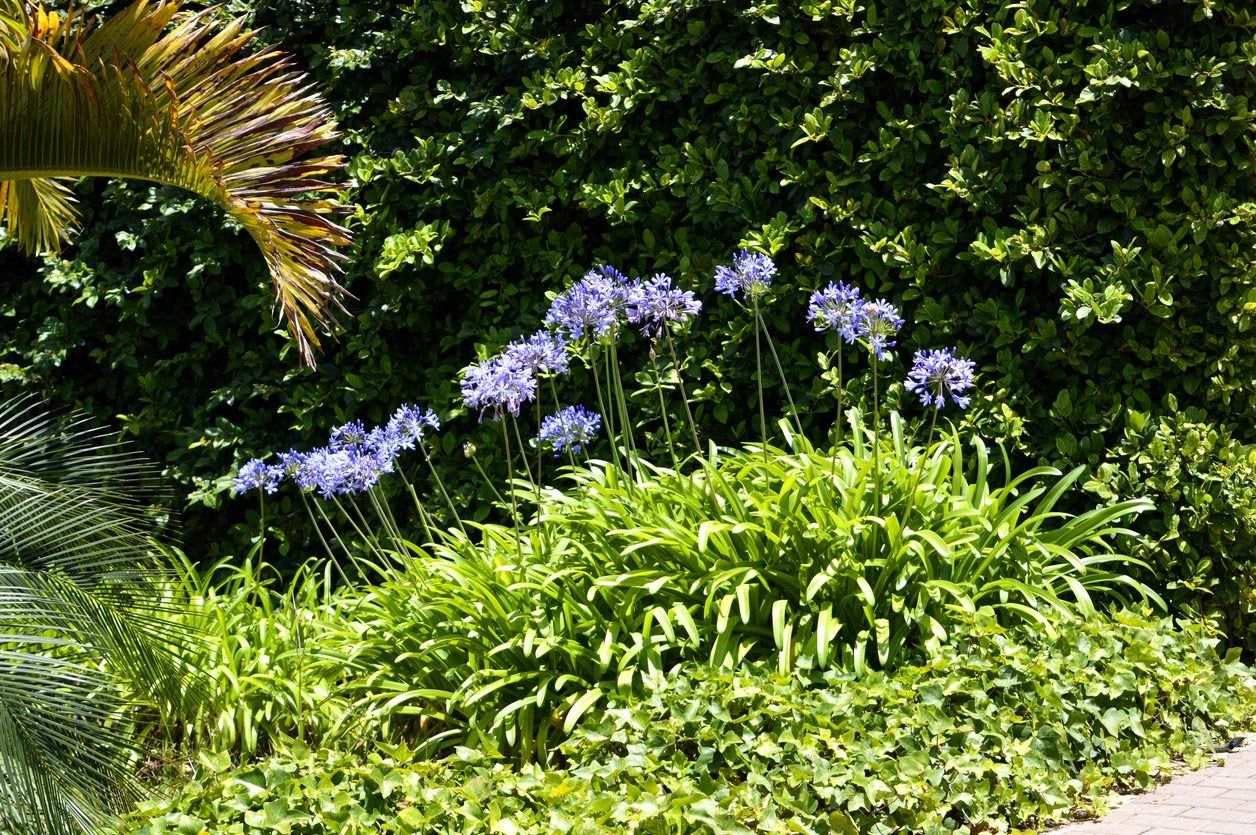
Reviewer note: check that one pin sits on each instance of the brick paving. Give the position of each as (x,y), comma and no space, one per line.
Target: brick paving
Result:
(1217,800)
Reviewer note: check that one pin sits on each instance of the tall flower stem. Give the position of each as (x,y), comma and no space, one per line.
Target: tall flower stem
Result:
(335,534)
(920,465)
(523,451)
(362,534)
(440,485)
(837,425)
(424,518)
(876,435)
(684,398)
(366,526)
(630,445)
(510,488)
(261,534)
(758,365)
(540,463)
(626,423)
(601,404)
(658,387)
(318,529)
(479,468)
(840,382)
(385,514)
(780,370)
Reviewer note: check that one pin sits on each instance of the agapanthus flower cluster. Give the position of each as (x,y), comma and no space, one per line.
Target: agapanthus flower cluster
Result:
(541,353)
(839,308)
(570,430)
(496,386)
(750,275)
(592,307)
(879,323)
(353,461)
(257,475)
(657,302)
(410,424)
(936,375)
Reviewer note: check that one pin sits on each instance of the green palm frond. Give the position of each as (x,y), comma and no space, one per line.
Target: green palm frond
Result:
(181,101)
(81,622)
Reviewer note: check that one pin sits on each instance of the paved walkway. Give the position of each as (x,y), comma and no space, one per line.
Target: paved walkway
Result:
(1219,799)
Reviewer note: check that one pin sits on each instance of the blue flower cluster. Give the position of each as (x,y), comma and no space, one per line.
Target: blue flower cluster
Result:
(497,385)
(569,430)
(352,462)
(838,307)
(596,308)
(750,275)
(935,375)
(257,475)
(655,303)
(842,309)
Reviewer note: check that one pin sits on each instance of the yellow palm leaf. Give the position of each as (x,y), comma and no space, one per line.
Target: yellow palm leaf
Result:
(188,105)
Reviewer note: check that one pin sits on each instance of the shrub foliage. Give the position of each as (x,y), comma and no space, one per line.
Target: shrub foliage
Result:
(1063,189)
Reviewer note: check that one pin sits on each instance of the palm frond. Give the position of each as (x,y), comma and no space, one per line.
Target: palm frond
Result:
(193,107)
(81,620)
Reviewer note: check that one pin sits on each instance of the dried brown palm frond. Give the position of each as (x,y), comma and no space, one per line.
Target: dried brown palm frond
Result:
(180,100)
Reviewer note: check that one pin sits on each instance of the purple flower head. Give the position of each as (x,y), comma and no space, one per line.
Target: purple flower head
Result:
(878,324)
(349,435)
(936,375)
(657,302)
(837,308)
(323,470)
(384,443)
(570,430)
(291,463)
(611,274)
(362,469)
(540,353)
(343,472)
(750,275)
(257,475)
(409,423)
(495,385)
(593,306)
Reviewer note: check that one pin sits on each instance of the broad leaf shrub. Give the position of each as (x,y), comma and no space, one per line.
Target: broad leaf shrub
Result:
(1062,189)
(1202,540)
(1004,727)
(757,555)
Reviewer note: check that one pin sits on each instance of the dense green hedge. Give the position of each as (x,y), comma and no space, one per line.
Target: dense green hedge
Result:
(1065,190)
(1000,727)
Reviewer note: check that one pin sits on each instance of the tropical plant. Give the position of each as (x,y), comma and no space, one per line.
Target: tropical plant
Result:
(85,645)
(850,560)
(189,108)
